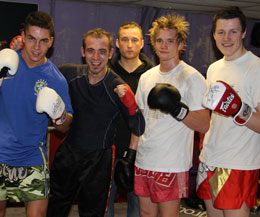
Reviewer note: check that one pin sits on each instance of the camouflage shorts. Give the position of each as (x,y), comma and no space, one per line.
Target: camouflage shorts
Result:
(24,183)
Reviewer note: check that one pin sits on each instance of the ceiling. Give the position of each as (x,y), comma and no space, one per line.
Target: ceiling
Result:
(251,8)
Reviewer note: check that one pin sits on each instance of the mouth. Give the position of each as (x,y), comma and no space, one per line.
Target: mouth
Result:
(227,44)
(96,64)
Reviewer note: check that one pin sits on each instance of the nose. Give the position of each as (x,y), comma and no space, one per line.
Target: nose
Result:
(95,55)
(129,44)
(164,44)
(36,45)
(226,36)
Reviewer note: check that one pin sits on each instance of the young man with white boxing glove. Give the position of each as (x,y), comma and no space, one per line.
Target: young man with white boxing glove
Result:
(170,96)
(228,174)
(32,91)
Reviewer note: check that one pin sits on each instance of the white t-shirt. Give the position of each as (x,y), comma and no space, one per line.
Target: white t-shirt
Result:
(167,144)
(226,144)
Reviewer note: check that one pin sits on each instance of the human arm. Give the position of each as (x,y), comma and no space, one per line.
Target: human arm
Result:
(9,62)
(51,103)
(124,172)
(198,120)
(254,122)
(130,110)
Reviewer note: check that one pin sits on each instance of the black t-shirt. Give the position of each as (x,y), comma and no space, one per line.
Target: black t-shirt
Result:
(123,134)
(96,108)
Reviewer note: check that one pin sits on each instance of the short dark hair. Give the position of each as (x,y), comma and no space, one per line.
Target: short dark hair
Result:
(40,19)
(230,12)
(98,33)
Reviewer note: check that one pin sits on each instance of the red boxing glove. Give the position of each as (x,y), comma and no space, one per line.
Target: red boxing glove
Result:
(17,43)
(129,100)
(223,99)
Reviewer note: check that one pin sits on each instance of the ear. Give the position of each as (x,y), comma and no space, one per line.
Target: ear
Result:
(181,46)
(244,35)
(142,44)
(117,43)
(51,41)
(111,53)
(82,51)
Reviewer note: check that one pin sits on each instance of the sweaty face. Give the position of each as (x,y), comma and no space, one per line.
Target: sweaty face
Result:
(37,42)
(97,54)
(166,45)
(229,38)
(130,42)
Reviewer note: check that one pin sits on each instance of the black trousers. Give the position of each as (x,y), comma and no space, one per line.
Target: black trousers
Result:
(81,174)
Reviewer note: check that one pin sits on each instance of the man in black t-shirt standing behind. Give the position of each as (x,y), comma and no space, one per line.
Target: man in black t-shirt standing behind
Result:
(130,64)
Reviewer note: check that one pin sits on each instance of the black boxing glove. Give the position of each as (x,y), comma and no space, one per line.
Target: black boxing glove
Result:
(124,171)
(167,99)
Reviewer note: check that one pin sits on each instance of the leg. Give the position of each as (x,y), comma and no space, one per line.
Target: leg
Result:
(111,206)
(133,205)
(244,211)
(37,208)
(94,183)
(147,207)
(170,208)
(110,211)
(211,211)
(63,181)
(2,208)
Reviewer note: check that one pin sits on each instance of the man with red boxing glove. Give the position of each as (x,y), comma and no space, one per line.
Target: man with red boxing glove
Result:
(82,165)
(228,173)
(170,96)
(32,90)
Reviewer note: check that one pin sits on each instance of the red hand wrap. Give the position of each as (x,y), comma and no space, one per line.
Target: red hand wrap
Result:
(129,100)
(16,38)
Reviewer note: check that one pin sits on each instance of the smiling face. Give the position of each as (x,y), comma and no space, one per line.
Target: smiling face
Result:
(37,42)
(130,42)
(229,38)
(97,54)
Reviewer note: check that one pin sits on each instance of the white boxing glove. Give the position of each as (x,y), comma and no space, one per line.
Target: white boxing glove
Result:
(223,99)
(50,102)
(9,62)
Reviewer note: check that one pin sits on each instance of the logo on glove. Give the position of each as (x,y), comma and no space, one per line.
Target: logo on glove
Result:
(224,105)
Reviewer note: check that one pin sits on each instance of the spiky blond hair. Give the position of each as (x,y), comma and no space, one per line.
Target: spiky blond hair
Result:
(171,21)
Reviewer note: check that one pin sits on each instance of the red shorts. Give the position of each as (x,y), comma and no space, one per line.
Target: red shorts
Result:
(159,186)
(227,188)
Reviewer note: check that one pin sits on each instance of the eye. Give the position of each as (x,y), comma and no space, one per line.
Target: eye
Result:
(102,51)
(159,40)
(135,40)
(124,40)
(31,38)
(90,50)
(234,31)
(45,41)
(220,32)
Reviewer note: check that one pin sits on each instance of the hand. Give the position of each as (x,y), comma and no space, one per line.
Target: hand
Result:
(9,61)
(50,102)
(17,43)
(167,99)
(224,100)
(124,171)
(127,97)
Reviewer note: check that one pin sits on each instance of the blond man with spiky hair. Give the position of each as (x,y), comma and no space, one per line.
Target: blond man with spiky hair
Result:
(170,97)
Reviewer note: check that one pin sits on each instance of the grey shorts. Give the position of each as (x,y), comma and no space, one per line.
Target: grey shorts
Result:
(21,184)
